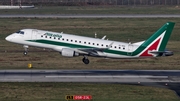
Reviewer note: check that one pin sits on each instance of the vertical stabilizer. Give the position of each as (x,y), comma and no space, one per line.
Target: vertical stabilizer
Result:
(158,41)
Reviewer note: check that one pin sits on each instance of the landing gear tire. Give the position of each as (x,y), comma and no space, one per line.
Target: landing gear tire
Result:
(25,49)
(25,53)
(85,60)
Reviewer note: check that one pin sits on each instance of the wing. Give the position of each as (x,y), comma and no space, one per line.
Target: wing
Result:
(93,51)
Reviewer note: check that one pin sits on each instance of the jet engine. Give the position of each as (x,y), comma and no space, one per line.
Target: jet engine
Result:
(69,52)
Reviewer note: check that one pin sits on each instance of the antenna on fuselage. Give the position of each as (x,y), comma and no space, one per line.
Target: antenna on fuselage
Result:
(104,37)
(95,35)
(129,41)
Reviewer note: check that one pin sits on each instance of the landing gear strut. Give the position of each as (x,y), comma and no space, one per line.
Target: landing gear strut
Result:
(25,49)
(85,60)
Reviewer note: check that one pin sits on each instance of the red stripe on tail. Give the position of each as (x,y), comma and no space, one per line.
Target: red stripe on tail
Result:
(152,47)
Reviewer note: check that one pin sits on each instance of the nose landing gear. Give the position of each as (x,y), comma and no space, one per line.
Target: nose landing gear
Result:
(25,53)
(25,49)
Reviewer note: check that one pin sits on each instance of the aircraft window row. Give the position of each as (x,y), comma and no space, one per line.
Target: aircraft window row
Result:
(84,42)
(20,32)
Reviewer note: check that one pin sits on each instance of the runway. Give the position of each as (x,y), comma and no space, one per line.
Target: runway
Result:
(111,76)
(90,16)
(159,78)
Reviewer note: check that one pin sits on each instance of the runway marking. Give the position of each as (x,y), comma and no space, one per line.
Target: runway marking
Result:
(11,79)
(111,76)
(90,16)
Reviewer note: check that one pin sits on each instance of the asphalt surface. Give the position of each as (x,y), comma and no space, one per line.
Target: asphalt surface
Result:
(158,78)
(89,15)
(116,76)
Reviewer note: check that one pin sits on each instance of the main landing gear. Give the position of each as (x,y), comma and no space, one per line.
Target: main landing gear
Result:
(85,60)
(25,49)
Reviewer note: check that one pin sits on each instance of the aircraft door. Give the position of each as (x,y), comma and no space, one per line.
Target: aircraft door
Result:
(130,49)
(34,35)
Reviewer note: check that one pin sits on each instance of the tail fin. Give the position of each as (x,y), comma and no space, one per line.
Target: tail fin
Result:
(158,41)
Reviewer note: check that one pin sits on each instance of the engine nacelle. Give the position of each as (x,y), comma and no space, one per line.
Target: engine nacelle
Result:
(69,52)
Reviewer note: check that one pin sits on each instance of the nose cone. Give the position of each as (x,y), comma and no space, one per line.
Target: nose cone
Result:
(8,38)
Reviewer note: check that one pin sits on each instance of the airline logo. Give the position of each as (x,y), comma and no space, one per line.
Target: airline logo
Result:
(154,46)
(53,35)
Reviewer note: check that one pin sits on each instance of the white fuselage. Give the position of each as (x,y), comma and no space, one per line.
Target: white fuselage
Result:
(74,45)
(58,41)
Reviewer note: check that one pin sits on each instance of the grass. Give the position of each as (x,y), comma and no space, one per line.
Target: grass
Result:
(115,29)
(99,92)
(96,10)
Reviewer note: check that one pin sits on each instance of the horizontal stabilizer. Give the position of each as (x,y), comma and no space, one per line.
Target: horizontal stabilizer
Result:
(163,53)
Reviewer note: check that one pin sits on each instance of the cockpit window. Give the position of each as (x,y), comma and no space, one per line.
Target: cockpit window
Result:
(20,32)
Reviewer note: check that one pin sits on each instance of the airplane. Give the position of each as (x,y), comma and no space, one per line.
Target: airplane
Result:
(69,45)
